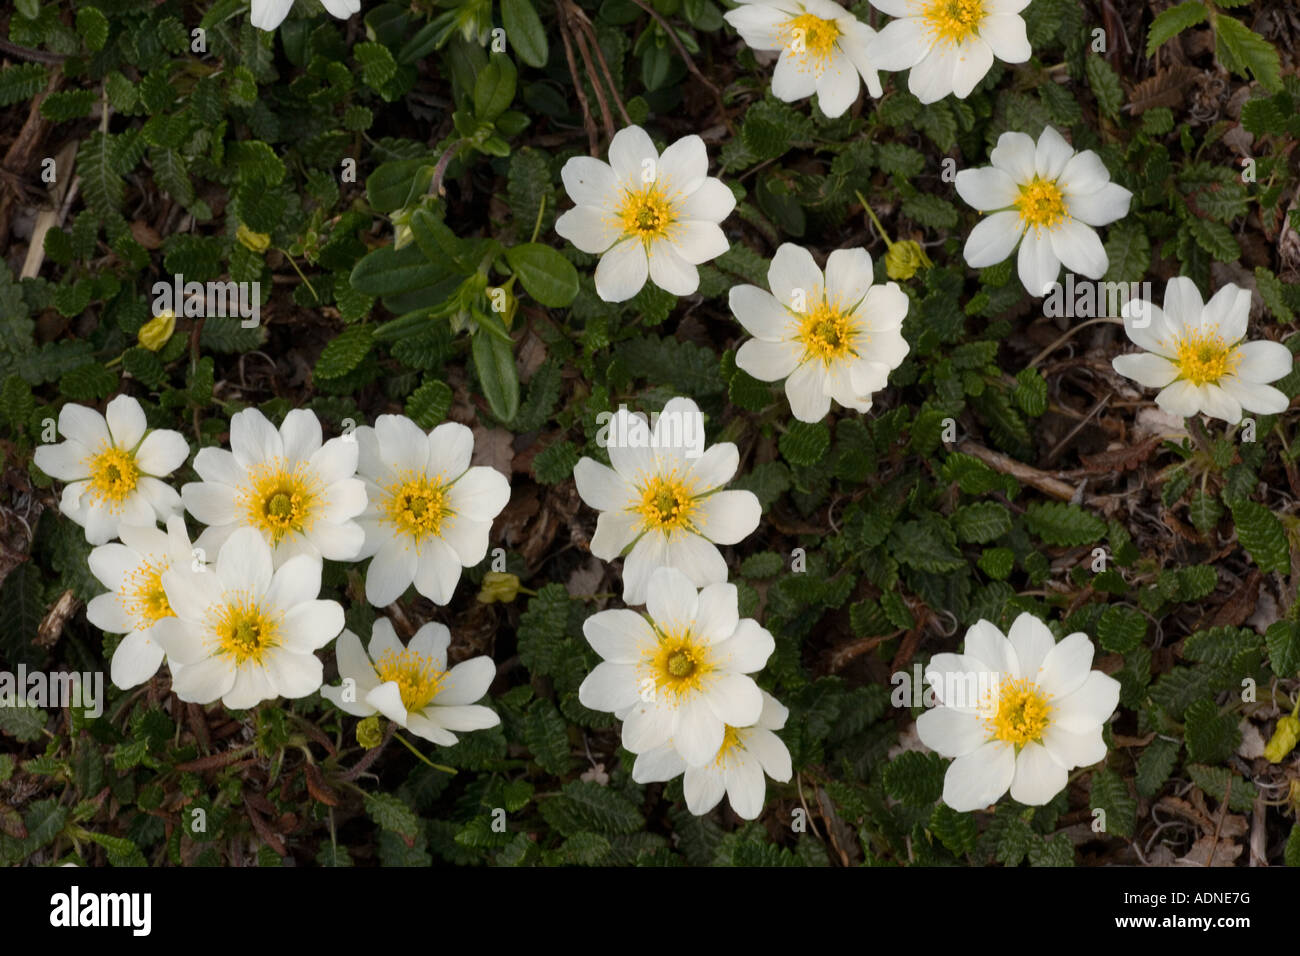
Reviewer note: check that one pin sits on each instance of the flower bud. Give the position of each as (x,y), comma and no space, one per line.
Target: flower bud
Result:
(498,586)
(368,733)
(905,258)
(154,334)
(1284,739)
(255,241)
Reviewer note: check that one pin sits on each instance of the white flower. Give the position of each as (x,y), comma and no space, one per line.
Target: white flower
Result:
(1016,711)
(269,14)
(949,45)
(1050,196)
(664,504)
(299,494)
(1196,356)
(679,673)
(823,49)
(833,336)
(430,513)
(746,754)
(412,685)
(646,213)
(245,631)
(132,571)
(113,463)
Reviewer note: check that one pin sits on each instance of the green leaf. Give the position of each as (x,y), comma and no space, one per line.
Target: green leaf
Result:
(805,443)
(1215,781)
(1215,238)
(928,544)
(586,805)
(86,383)
(1240,49)
(915,779)
(392,814)
(494,89)
(1121,629)
(1173,21)
(555,462)
(377,64)
(494,361)
(1105,86)
(546,734)
(547,276)
(957,831)
(524,31)
(1110,794)
(101,182)
(1273,291)
(427,406)
(21,82)
(1263,536)
(981,522)
(345,352)
(1211,737)
(1064,525)
(1155,765)
(1283,640)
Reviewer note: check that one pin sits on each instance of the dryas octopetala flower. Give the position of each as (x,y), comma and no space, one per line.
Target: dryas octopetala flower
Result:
(412,686)
(245,631)
(1196,355)
(112,464)
(1016,711)
(132,571)
(949,45)
(823,49)
(300,494)
(662,502)
(430,513)
(646,214)
(1045,198)
(737,770)
(679,672)
(269,14)
(831,335)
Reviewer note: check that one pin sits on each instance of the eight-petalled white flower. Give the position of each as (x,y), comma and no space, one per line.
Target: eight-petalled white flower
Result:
(1045,198)
(132,571)
(1016,710)
(300,494)
(680,671)
(823,49)
(429,512)
(112,464)
(245,631)
(646,213)
(746,754)
(1196,355)
(412,685)
(664,504)
(949,45)
(831,335)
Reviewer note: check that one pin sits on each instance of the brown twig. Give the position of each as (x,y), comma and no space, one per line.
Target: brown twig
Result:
(587,121)
(690,64)
(605,114)
(1041,480)
(585,22)
(36,56)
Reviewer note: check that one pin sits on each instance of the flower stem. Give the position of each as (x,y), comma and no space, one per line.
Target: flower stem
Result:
(411,747)
(879,228)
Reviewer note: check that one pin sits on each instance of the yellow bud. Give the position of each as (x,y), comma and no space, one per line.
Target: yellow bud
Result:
(368,733)
(255,241)
(1284,739)
(905,258)
(498,586)
(154,334)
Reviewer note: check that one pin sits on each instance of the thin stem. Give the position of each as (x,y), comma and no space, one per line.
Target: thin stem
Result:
(1068,335)
(411,747)
(879,228)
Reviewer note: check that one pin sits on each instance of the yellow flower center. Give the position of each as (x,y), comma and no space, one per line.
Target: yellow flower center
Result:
(1041,204)
(1204,357)
(647,213)
(417,506)
(143,596)
(418,679)
(679,663)
(113,476)
(279,501)
(244,631)
(810,38)
(827,333)
(731,742)
(1022,713)
(667,503)
(953,21)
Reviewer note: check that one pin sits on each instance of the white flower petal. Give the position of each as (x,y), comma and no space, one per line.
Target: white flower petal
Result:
(951,733)
(589,182)
(993,239)
(1038,777)
(622,271)
(1089,706)
(976,779)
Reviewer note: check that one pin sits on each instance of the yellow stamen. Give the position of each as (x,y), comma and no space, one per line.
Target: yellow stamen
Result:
(827,333)
(1022,714)
(811,39)
(667,503)
(1204,357)
(142,594)
(279,500)
(679,663)
(731,742)
(1041,204)
(245,631)
(647,213)
(416,506)
(418,678)
(113,476)
(952,22)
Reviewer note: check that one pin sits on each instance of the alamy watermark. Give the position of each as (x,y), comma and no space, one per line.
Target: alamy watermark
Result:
(55,689)
(677,430)
(1092,299)
(226,300)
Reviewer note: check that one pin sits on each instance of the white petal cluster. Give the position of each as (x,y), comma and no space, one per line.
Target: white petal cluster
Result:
(269,14)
